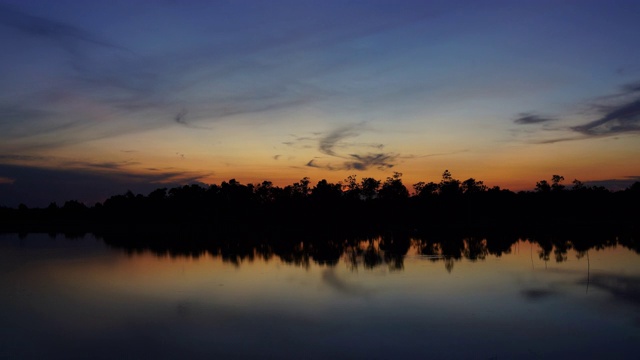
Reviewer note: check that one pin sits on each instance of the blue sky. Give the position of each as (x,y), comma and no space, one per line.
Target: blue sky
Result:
(142,94)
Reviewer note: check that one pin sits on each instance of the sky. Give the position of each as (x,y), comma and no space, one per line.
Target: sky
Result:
(101,97)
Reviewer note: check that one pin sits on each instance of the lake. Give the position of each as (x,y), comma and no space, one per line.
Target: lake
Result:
(83,297)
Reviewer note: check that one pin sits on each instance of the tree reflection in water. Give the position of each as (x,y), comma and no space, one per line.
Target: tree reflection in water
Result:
(369,251)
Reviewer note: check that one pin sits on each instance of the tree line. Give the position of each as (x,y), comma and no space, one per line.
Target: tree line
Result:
(354,204)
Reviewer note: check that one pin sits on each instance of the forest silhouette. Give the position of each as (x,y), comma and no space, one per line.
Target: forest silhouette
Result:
(351,208)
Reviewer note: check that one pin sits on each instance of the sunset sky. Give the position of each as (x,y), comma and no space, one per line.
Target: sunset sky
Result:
(98,97)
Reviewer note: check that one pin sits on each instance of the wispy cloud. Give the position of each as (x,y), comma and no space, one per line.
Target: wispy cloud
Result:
(106,165)
(529,118)
(312,163)
(380,161)
(124,91)
(180,117)
(91,81)
(619,115)
(15,114)
(62,33)
(631,88)
(340,151)
(623,118)
(167,176)
(330,141)
(344,154)
(22,158)
(557,140)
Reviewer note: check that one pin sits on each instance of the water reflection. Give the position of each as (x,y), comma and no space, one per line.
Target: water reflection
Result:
(623,288)
(397,294)
(369,252)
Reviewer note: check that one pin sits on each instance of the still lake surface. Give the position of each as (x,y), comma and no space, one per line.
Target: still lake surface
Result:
(82,298)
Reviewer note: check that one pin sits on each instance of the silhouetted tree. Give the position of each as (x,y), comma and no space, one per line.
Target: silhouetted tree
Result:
(448,185)
(393,188)
(369,188)
(74,206)
(471,186)
(158,195)
(299,190)
(578,185)
(556,183)
(543,186)
(423,189)
(325,191)
(351,187)
(265,192)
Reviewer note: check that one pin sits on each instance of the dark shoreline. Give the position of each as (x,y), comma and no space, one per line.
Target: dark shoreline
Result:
(352,210)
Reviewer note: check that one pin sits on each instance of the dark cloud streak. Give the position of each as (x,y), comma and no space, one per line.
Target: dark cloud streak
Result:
(59,32)
(180,117)
(82,184)
(312,163)
(380,161)
(329,142)
(624,118)
(355,160)
(528,118)
(620,116)
(106,165)
(14,157)
(138,90)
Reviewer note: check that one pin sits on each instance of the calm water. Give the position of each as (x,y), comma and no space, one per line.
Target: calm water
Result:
(80,298)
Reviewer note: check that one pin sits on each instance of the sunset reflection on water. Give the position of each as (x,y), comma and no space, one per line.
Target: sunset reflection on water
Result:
(72,298)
